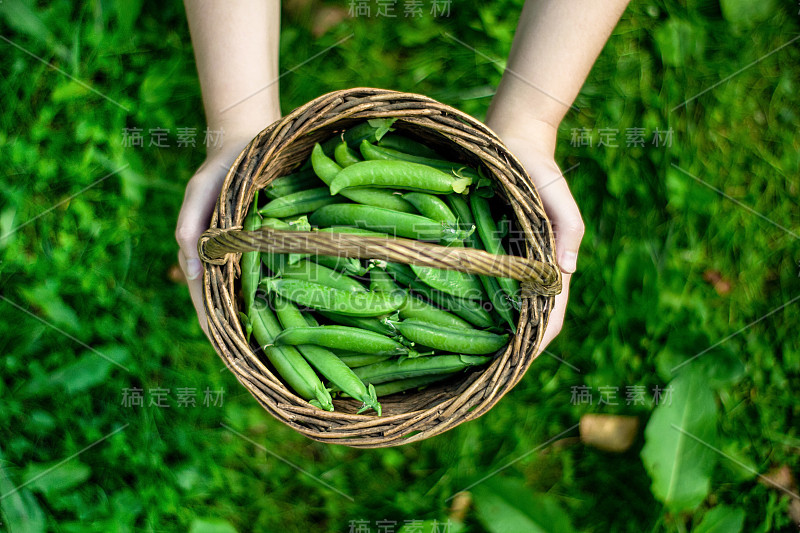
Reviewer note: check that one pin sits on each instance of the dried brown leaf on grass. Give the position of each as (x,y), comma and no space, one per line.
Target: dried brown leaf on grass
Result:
(610,433)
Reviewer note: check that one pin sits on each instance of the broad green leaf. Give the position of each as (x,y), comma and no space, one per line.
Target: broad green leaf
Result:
(692,351)
(721,369)
(674,455)
(127,506)
(59,479)
(188,478)
(88,371)
(432,526)
(45,297)
(20,15)
(20,510)
(738,466)
(679,41)
(160,83)
(7,216)
(747,12)
(634,281)
(211,525)
(69,90)
(721,519)
(508,506)
(685,193)
(127,12)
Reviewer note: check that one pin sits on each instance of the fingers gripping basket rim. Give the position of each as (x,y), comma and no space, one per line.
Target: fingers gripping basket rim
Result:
(280,148)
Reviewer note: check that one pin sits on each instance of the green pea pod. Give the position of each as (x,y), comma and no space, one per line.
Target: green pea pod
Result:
(417,308)
(360,132)
(356,231)
(343,338)
(291,183)
(288,362)
(400,272)
(431,206)
(398,175)
(368,323)
(339,263)
(452,282)
(401,385)
(327,170)
(378,153)
(298,203)
(414,306)
(460,207)
(250,262)
(324,167)
(401,143)
(381,220)
(330,366)
(355,360)
(350,265)
(473,342)
(499,300)
(324,298)
(310,271)
(435,208)
(490,237)
(353,231)
(421,366)
(379,198)
(470,310)
(346,156)
(381,281)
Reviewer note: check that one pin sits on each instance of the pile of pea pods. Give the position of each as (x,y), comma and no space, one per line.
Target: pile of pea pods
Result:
(367,329)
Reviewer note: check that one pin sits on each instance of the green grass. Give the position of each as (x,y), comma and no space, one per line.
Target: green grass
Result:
(96,266)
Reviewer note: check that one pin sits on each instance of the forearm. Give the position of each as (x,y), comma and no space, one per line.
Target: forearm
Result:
(236,50)
(554,48)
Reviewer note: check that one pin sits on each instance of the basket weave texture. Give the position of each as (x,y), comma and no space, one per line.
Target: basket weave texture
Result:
(280,149)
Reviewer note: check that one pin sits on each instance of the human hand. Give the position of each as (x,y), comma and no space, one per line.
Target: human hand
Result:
(201,196)
(534,146)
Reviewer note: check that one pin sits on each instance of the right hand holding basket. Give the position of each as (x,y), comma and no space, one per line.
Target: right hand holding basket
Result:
(535,147)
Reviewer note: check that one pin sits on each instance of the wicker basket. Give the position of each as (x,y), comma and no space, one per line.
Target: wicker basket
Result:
(280,149)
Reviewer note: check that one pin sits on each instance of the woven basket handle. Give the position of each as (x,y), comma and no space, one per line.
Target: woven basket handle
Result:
(537,277)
